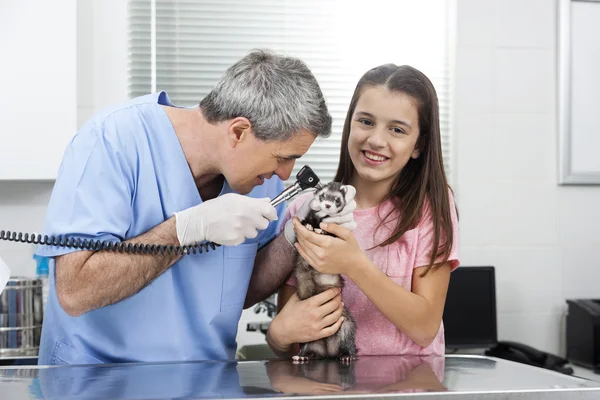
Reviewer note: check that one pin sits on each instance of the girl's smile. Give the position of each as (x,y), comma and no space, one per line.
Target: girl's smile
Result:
(374,158)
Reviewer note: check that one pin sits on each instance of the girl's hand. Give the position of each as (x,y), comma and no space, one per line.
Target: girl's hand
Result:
(327,254)
(301,321)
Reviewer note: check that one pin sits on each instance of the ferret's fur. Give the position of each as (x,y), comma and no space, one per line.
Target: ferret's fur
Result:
(341,345)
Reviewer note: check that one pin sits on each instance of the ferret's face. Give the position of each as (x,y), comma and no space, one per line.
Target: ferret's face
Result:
(331,201)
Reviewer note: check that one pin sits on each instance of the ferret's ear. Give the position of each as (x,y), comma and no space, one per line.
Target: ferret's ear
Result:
(343,190)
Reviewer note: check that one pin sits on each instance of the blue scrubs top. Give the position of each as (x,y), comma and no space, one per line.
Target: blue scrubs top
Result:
(122,174)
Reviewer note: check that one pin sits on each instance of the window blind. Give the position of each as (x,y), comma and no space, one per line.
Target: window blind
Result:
(183,47)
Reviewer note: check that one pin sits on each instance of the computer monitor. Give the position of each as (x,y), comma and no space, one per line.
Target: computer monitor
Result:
(470,311)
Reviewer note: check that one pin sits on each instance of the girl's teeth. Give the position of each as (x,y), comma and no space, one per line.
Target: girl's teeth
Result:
(374,157)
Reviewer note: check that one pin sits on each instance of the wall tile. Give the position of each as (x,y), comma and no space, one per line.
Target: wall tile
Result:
(579,216)
(580,272)
(474,75)
(476,256)
(523,81)
(528,279)
(541,331)
(525,23)
(526,214)
(475,22)
(473,147)
(476,216)
(513,139)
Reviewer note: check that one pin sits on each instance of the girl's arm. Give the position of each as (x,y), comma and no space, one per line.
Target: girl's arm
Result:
(418,313)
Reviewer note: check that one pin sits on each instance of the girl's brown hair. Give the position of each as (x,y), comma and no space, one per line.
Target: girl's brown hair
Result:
(422,180)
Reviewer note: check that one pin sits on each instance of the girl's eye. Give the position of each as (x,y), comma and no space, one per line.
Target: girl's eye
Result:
(397,130)
(365,121)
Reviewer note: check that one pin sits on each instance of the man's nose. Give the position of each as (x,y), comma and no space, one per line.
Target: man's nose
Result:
(284,171)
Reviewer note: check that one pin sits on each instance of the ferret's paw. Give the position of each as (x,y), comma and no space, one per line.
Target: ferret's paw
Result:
(309,227)
(347,359)
(300,359)
(319,231)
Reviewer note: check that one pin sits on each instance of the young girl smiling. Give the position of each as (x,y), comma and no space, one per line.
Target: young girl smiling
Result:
(397,262)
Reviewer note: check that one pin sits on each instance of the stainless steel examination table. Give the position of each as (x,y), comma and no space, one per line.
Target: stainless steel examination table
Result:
(450,377)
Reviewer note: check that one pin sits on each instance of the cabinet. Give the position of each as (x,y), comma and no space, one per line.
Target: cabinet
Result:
(38,78)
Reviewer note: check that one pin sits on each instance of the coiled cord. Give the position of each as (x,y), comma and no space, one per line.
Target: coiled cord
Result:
(97,245)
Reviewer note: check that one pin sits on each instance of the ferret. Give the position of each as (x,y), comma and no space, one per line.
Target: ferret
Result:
(328,372)
(341,345)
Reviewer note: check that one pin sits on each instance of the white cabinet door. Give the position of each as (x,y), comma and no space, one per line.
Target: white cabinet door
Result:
(38,83)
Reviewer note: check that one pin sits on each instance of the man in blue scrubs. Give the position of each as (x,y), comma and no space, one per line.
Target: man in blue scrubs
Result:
(150,172)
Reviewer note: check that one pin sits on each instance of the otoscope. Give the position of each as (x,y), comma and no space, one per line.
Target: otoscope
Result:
(305,179)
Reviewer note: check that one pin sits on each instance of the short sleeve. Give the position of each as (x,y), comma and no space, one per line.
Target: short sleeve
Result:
(273,229)
(92,196)
(426,235)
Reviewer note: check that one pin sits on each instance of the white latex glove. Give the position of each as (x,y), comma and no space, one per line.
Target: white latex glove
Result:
(227,220)
(344,218)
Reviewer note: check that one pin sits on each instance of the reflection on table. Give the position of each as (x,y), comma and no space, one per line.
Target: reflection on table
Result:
(365,377)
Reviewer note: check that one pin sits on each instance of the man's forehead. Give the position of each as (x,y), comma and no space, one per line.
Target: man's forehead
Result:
(296,146)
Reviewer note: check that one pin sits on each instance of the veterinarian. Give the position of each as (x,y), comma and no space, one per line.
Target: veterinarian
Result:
(148,171)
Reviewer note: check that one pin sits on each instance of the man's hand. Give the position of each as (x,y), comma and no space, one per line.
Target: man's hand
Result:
(228,220)
(345,218)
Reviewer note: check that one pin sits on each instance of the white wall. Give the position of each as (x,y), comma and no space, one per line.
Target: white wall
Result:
(540,237)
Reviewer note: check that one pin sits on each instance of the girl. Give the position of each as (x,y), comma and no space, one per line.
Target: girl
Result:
(398,260)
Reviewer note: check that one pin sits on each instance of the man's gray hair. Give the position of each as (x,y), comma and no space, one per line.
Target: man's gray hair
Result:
(279,95)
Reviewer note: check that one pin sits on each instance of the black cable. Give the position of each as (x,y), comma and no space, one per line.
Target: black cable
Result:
(97,245)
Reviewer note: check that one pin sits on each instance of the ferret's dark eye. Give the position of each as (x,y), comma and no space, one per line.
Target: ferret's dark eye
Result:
(337,202)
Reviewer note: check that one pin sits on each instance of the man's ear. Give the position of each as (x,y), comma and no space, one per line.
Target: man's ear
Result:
(239,130)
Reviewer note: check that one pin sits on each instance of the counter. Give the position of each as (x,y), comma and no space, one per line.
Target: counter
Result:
(450,377)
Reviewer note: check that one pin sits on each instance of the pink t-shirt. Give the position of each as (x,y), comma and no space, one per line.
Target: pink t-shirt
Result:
(376,335)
